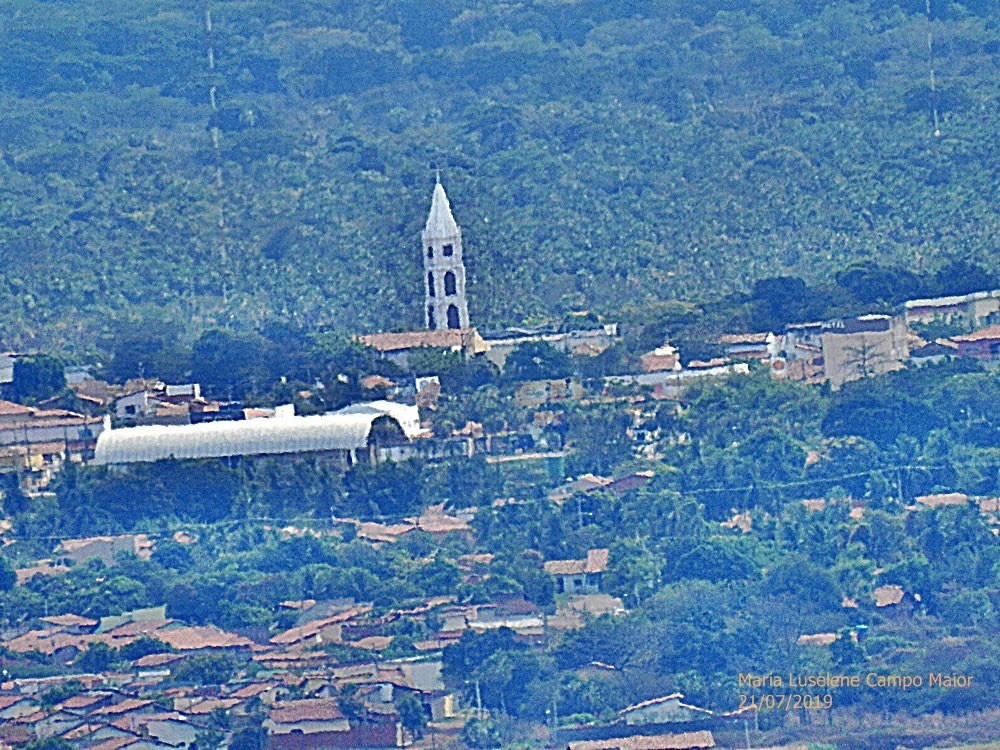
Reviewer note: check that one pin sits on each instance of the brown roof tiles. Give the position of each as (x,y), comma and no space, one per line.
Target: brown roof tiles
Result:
(316,709)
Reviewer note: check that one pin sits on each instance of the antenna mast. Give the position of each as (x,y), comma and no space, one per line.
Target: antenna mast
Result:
(217,147)
(930,55)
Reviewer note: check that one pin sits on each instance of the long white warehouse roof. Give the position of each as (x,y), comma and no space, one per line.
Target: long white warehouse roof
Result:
(347,429)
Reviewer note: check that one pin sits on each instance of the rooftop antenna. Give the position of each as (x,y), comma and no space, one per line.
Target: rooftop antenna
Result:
(930,55)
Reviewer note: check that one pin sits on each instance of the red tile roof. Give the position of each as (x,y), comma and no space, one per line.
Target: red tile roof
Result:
(316,709)
(596,562)
(83,700)
(70,621)
(115,743)
(129,704)
(983,334)
(454,338)
(196,638)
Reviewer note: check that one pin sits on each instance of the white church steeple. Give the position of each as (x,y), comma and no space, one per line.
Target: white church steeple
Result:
(444,286)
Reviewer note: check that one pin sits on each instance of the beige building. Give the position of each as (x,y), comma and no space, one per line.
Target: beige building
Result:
(861,347)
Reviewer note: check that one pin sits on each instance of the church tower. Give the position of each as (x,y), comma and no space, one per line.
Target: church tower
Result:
(444,273)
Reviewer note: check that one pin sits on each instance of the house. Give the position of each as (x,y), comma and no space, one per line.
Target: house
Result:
(665,710)
(983,344)
(317,718)
(634,481)
(685,741)
(397,347)
(579,576)
(325,630)
(15,706)
(583,485)
(586,342)
(968,309)
(199,638)
(761,346)
(861,347)
(167,404)
(74,624)
(665,358)
(39,440)
(104,548)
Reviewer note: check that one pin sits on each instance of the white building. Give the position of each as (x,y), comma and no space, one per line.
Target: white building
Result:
(444,289)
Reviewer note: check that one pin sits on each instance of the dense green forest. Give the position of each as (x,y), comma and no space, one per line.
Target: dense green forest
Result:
(595,152)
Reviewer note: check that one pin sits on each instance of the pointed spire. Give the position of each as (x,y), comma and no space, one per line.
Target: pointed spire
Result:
(440,222)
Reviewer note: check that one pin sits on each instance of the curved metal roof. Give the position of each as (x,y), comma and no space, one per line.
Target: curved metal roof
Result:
(347,429)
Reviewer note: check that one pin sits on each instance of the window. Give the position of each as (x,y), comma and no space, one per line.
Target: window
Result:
(130,409)
(430,251)
(430,285)
(448,250)
(430,317)
(449,284)
(453,319)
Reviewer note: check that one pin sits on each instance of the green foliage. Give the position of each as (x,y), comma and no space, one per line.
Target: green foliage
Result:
(411,714)
(482,734)
(98,658)
(536,360)
(207,669)
(60,693)
(37,378)
(8,577)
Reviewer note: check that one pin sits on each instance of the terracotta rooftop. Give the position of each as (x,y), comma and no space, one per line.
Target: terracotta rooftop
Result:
(6,701)
(316,709)
(311,629)
(83,700)
(156,660)
(129,704)
(10,409)
(454,338)
(196,638)
(70,621)
(685,741)
(983,334)
(251,691)
(115,743)
(596,562)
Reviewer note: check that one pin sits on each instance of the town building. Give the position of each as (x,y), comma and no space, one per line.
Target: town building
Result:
(38,441)
(579,576)
(361,432)
(971,310)
(397,347)
(584,342)
(983,344)
(445,306)
(861,347)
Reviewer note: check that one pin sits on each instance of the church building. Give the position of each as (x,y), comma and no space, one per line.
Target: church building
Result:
(445,304)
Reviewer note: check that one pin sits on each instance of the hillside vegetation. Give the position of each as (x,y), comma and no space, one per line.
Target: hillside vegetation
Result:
(595,152)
